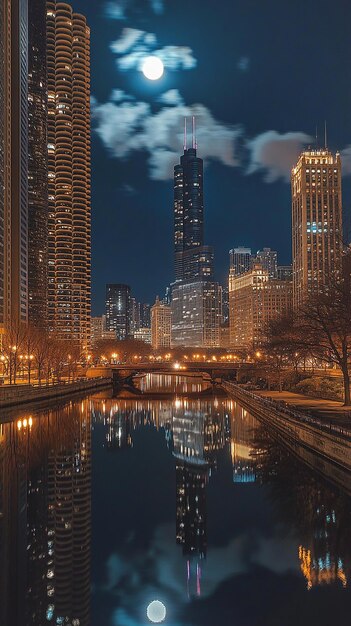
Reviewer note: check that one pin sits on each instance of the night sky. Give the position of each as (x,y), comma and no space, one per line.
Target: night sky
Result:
(259,75)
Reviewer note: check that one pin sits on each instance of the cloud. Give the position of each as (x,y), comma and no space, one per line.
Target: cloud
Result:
(243,64)
(127,40)
(118,9)
(171,98)
(157,6)
(118,95)
(126,127)
(133,45)
(274,154)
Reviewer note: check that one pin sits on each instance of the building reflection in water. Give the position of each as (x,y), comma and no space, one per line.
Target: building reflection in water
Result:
(45,518)
(198,432)
(319,512)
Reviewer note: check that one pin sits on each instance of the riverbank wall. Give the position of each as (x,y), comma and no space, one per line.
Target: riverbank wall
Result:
(330,442)
(16,395)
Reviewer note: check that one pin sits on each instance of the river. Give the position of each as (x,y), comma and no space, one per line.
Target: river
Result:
(122,512)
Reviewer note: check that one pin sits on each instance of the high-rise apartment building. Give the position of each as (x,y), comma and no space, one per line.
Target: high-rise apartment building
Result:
(316,221)
(196,299)
(240,260)
(37,166)
(161,325)
(13,162)
(254,299)
(68,66)
(118,310)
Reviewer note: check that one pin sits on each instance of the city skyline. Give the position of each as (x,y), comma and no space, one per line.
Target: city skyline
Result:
(257,90)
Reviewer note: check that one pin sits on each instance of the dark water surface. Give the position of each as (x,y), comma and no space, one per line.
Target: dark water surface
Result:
(109,504)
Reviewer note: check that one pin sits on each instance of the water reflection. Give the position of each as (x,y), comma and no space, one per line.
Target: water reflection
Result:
(45,518)
(194,504)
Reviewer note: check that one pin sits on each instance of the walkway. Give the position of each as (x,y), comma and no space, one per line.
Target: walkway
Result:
(331,410)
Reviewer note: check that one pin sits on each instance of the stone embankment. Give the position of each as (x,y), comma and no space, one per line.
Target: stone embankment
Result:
(13,395)
(299,430)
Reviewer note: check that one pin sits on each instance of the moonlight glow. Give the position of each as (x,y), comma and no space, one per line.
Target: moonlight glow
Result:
(156,612)
(152,68)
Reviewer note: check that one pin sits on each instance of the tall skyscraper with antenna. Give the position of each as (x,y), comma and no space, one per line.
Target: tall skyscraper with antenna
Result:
(196,298)
(191,258)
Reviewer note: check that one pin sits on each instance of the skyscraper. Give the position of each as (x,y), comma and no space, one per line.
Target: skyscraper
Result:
(37,166)
(191,258)
(68,63)
(240,260)
(13,161)
(316,221)
(196,299)
(268,260)
(118,310)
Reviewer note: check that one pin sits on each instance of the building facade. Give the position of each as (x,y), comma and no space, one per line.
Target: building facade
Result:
(316,221)
(196,299)
(269,261)
(13,162)
(118,306)
(161,324)
(69,253)
(196,314)
(240,260)
(37,167)
(255,299)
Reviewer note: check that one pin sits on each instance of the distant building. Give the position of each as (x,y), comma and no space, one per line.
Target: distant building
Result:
(284,272)
(145,315)
(224,335)
(134,323)
(143,334)
(98,331)
(161,325)
(268,260)
(196,314)
(316,221)
(240,260)
(254,299)
(118,310)
(225,304)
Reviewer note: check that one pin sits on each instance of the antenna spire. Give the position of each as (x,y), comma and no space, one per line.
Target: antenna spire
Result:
(317,136)
(185,135)
(194,133)
(325,134)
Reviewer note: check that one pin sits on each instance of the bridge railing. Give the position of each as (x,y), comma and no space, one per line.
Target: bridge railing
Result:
(283,409)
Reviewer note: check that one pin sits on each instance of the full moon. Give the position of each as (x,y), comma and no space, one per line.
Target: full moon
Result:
(152,68)
(156,612)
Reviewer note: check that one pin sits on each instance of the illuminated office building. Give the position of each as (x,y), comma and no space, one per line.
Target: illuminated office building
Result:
(316,221)
(196,314)
(161,325)
(255,299)
(68,65)
(37,166)
(196,299)
(13,162)
(240,260)
(118,307)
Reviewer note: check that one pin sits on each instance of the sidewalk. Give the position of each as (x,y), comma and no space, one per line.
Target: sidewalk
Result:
(331,410)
